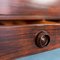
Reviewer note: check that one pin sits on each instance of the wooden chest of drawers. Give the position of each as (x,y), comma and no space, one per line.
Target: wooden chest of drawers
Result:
(17,37)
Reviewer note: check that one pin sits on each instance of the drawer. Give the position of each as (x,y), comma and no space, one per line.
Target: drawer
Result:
(29,9)
(22,40)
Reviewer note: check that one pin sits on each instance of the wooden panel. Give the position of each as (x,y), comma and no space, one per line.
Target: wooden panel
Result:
(18,41)
(29,9)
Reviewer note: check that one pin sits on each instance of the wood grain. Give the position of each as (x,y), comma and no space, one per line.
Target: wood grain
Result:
(29,9)
(25,22)
(19,41)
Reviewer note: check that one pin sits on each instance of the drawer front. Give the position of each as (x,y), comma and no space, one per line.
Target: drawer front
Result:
(19,41)
(29,9)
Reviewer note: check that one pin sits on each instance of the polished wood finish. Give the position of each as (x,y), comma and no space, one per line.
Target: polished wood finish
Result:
(25,22)
(19,41)
(29,9)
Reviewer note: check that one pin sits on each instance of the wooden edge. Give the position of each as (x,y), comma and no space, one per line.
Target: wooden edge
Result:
(34,17)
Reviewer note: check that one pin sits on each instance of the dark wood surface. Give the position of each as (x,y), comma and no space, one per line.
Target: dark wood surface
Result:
(19,41)
(26,22)
(29,9)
